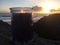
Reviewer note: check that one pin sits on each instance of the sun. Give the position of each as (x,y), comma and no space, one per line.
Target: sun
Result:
(47,7)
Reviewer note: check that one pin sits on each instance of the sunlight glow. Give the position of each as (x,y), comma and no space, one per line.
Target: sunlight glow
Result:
(22,11)
(48,6)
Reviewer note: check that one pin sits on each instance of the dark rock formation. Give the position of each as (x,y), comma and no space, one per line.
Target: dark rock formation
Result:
(4,27)
(49,27)
(5,33)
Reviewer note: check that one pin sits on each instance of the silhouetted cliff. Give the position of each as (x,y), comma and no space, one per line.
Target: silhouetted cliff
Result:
(4,26)
(48,27)
(5,33)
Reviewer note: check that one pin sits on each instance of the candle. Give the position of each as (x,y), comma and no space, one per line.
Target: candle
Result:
(21,25)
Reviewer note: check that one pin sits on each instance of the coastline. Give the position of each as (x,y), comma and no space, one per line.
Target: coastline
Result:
(7,21)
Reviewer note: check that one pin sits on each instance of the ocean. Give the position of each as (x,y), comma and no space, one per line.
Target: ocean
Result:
(6,17)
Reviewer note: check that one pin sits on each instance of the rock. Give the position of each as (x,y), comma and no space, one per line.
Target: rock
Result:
(4,27)
(48,27)
(5,33)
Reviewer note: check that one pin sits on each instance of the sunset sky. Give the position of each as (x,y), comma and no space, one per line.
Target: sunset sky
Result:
(6,4)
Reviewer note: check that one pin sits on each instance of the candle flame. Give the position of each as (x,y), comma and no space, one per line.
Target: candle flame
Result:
(22,11)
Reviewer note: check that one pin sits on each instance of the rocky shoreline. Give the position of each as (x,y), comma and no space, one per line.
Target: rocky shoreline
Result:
(6,36)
